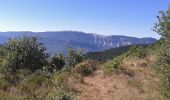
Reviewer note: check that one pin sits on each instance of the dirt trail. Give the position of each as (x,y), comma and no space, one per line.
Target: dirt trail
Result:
(98,87)
(121,86)
(101,83)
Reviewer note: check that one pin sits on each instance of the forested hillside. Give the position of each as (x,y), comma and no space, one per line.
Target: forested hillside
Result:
(109,53)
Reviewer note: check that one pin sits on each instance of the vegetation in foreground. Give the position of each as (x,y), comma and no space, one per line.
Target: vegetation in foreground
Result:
(27,71)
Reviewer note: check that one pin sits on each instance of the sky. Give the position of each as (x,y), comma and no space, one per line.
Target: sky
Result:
(105,17)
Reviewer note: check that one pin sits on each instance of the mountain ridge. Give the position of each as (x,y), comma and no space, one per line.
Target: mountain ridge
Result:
(35,33)
(60,41)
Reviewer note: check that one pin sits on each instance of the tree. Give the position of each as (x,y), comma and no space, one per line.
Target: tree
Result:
(2,54)
(58,62)
(163,29)
(24,53)
(163,25)
(74,57)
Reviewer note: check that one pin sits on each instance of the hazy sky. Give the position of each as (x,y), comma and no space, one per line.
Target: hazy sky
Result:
(107,17)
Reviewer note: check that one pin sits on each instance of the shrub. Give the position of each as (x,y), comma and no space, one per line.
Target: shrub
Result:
(137,51)
(163,29)
(61,78)
(22,73)
(25,52)
(35,86)
(57,63)
(37,79)
(64,96)
(86,68)
(2,54)
(64,90)
(4,84)
(112,66)
(74,57)
(163,68)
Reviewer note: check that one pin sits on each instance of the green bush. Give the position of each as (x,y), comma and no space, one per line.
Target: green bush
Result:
(74,57)
(22,73)
(37,79)
(137,51)
(57,63)
(162,27)
(64,96)
(163,68)
(61,78)
(24,52)
(35,86)
(64,90)
(86,68)
(23,64)
(112,66)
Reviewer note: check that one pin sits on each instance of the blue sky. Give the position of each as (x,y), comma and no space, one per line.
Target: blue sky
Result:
(106,17)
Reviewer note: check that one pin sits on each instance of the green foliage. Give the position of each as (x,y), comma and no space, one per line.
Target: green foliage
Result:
(9,79)
(2,54)
(163,25)
(163,63)
(86,68)
(137,51)
(35,86)
(61,78)
(64,96)
(57,63)
(155,48)
(65,91)
(24,69)
(74,57)
(37,78)
(113,65)
(163,67)
(107,54)
(24,52)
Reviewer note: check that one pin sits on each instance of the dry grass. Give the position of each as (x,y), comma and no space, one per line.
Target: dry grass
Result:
(136,81)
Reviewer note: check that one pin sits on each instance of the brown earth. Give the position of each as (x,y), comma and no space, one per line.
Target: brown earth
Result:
(136,81)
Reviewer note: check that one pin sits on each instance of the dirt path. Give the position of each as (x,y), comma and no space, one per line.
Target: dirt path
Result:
(119,86)
(101,83)
(98,87)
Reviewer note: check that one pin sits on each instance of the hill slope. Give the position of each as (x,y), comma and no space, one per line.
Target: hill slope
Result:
(109,53)
(136,80)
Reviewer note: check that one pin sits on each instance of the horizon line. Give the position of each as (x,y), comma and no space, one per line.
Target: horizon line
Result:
(81,32)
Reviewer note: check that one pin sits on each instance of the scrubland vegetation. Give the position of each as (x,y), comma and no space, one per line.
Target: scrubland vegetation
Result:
(28,72)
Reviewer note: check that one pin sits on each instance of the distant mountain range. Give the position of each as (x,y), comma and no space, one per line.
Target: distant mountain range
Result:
(60,41)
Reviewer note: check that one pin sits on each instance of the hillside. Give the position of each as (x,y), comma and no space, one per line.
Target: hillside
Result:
(27,72)
(60,41)
(136,80)
(118,60)
(109,53)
